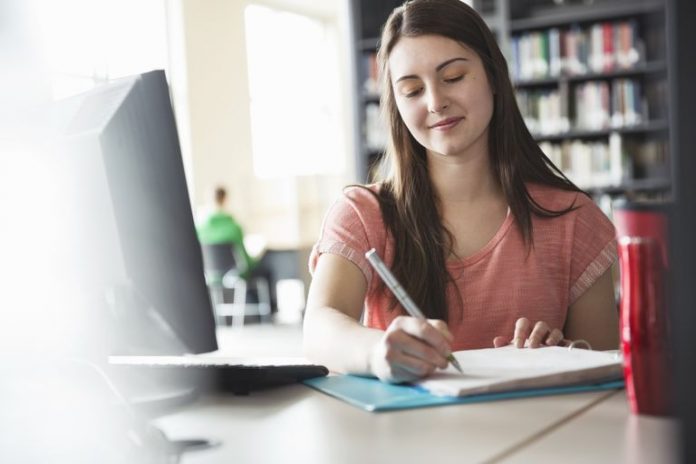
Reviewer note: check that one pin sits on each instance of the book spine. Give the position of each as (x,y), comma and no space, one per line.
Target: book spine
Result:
(608,47)
(596,49)
(515,57)
(554,52)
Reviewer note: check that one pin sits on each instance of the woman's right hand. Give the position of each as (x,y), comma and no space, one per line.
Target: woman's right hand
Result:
(411,348)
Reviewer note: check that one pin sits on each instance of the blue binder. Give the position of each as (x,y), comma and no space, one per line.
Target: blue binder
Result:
(373,395)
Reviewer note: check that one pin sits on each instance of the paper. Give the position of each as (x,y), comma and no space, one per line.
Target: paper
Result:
(505,369)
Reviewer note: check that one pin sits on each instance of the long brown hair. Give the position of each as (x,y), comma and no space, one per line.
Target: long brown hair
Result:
(407,199)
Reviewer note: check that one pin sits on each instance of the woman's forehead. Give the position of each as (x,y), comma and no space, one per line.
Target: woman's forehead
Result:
(426,52)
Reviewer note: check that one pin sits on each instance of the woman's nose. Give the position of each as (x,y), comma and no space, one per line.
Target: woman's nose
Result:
(437,102)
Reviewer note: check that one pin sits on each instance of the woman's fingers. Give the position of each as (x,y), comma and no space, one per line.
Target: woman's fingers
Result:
(522,330)
(425,332)
(392,365)
(531,335)
(399,343)
(410,367)
(539,334)
(441,326)
(426,353)
(411,348)
(554,338)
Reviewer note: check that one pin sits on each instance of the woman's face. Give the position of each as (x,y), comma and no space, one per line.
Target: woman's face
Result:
(442,93)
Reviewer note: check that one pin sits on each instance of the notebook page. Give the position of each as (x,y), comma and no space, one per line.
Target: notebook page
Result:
(505,369)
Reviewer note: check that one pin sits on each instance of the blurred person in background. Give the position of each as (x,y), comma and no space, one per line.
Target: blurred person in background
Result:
(220,227)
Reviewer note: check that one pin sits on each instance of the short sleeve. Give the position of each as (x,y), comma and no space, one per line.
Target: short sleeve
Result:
(350,228)
(593,247)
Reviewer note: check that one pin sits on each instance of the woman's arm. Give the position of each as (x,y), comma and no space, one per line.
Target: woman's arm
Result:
(333,336)
(594,316)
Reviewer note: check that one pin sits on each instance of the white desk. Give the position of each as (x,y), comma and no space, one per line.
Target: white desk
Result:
(607,432)
(298,424)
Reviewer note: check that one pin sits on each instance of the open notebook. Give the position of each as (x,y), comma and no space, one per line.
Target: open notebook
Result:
(494,370)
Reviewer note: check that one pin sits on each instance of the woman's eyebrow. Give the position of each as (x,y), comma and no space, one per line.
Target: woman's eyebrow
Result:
(438,68)
(442,65)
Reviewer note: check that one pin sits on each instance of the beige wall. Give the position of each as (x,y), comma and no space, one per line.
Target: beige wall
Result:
(210,87)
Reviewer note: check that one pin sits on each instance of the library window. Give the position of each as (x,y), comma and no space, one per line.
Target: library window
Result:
(121,38)
(294,94)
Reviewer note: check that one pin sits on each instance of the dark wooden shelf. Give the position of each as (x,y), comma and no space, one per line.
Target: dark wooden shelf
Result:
(652,126)
(370,98)
(566,15)
(634,185)
(654,67)
(368,45)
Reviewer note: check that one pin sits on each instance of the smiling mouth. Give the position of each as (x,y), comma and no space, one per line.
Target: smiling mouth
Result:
(446,124)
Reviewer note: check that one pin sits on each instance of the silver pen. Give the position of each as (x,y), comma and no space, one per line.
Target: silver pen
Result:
(401,294)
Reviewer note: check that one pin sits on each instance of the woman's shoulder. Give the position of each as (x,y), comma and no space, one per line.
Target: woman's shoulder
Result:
(352,226)
(361,198)
(362,192)
(556,198)
(356,203)
(583,209)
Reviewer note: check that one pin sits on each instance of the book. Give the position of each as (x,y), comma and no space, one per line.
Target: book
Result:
(496,370)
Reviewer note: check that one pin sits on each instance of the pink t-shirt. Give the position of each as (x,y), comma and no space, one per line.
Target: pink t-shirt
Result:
(498,284)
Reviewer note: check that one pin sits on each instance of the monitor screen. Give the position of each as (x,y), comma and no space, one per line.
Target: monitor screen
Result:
(99,257)
(136,241)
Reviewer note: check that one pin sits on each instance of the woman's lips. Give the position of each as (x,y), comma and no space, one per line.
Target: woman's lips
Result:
(446,124)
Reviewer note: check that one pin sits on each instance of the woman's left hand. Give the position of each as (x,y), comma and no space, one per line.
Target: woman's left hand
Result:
(530,335)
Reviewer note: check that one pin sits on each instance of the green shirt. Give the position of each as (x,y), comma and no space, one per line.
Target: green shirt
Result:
(219,228)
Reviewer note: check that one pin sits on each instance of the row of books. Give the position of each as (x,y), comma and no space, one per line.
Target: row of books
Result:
(601,47)
(596,105)
(544,111)
(593,165)
(588,164)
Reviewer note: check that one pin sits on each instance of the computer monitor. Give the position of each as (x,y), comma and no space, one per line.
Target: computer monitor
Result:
(136,242)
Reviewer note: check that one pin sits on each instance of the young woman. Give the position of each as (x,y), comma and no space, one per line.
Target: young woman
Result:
(488,238)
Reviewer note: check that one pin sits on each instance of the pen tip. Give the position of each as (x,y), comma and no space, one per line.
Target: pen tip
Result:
(456,364)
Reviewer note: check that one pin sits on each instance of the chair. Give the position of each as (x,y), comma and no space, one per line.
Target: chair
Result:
(222,273)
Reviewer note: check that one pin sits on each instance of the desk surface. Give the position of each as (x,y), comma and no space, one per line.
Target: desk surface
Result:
(607,432)
(298,424)
(274,425)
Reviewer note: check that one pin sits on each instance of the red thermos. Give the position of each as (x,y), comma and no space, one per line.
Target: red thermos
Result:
(642,234)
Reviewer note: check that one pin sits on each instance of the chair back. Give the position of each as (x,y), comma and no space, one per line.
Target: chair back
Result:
(218,259)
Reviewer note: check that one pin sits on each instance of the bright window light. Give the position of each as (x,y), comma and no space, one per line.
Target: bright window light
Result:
(294,90)
(86,42)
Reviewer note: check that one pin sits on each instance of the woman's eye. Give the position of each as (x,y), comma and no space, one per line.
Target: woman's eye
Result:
(454,79)
(412,93)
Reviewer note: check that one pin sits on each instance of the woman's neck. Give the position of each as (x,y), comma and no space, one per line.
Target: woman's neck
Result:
(463,179)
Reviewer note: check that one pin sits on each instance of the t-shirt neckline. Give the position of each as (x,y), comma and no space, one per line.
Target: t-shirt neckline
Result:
(487,248)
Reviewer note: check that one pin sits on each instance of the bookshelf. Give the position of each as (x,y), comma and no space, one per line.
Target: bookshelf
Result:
(366,18)
(591,81)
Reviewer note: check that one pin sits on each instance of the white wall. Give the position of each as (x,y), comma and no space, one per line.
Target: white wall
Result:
(210,86)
